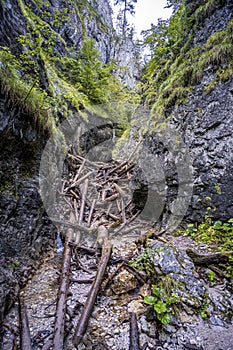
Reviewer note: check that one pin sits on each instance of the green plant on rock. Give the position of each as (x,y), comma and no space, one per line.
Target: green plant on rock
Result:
(213,232)
(144,262)
(31,99)
(87,73)
(216,233)
(175,65)
(161,306)
(211,276)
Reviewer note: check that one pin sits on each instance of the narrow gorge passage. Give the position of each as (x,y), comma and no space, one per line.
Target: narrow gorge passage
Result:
(71,304)
(116,175)
(98,211)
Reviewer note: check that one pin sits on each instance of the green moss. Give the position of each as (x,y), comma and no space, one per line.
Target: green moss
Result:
(169,81)
(217,234)
(31,100)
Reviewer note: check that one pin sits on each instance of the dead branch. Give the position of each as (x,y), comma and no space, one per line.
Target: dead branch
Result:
(84,195)
(91,213)
(135,273)
(74,225)
(59,326)
(79,181)
(112,198)
(79,158)
(90,251)
(134,334)
(25,337)
(113,274)
(89,305)
(79,170)
(207,259)
(127,222)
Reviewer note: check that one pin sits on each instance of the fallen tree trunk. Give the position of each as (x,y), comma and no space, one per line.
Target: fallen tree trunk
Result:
(89,305)
(25,337)
(134,335)
(207,259)
(59,327)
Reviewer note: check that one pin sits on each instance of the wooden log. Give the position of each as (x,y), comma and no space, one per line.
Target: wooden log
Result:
(89,305)
(119,190)
(76,209)
(134,334)
(59,326)
(79,181)
(207,259)
(113,274)
(25,337)
(112,198)
(83,201)
(74,225)
(91,213)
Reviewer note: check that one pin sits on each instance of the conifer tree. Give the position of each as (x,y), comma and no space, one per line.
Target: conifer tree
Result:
(127,6)
(88,73)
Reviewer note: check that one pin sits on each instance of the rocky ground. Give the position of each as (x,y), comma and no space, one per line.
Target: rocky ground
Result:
(201,317)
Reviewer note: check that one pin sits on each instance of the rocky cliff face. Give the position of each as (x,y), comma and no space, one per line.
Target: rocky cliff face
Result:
(26,234)
(206,123)
(70,21)
(204,119)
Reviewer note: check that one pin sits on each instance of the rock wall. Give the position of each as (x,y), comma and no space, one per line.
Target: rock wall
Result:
(205,124)
(71,20)
(26,234)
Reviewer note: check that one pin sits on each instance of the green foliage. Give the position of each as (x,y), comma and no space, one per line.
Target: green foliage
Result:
(144,262)
(175,65)
(211,276)
(88,74)
(216,233)
(219,233)
(26,95)
(161,306)
(127,6)
(33,80)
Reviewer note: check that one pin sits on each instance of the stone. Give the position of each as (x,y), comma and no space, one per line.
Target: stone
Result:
(137,306)
(123,282)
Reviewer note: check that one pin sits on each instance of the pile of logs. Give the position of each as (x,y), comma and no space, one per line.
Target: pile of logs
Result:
(98,193)
(97,198)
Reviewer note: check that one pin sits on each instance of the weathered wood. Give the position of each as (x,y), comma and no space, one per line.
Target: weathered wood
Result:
(59,326)
(84,196)
(79,181)
(79,158)
(89,305)
(113,274)
(25,337)
(101,236)
(134,334)
(70,224)
(91,213)
(207,259)
(90,251)
(112,198)
(135,273)
(127,222)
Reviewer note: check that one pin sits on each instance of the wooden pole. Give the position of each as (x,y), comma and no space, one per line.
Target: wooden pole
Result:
(89,305)
(25,337)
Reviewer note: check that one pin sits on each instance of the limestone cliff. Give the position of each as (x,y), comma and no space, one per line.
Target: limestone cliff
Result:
(188,87)
(47,29)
